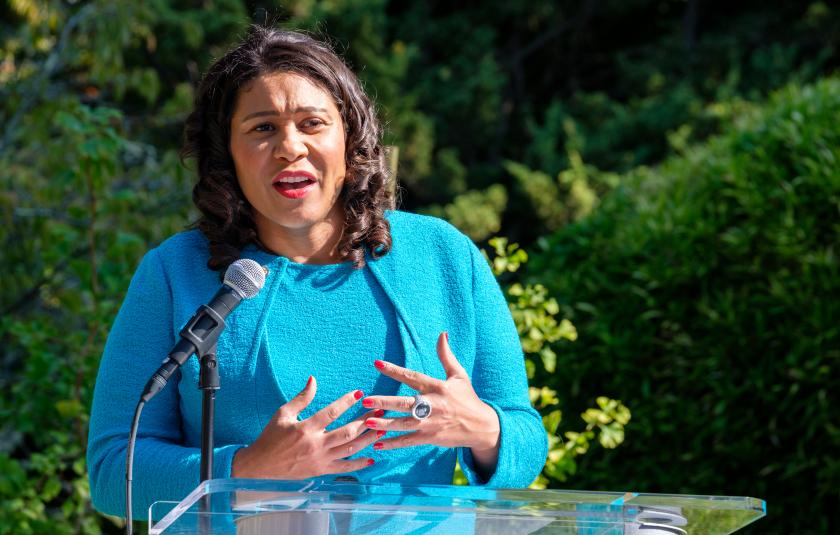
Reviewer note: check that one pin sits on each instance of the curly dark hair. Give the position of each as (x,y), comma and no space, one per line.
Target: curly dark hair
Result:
(226,216)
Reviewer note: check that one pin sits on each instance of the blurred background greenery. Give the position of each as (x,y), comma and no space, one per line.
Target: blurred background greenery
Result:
(670,167)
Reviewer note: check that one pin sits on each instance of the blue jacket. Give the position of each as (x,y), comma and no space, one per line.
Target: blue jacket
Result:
(437,281)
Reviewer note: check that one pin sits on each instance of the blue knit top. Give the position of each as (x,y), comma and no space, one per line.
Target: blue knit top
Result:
(313,307)
(328,321)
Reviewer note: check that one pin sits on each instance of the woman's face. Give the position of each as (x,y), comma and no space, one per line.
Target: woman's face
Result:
(287,143)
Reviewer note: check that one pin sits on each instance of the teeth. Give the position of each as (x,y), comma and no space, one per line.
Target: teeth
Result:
(294,179)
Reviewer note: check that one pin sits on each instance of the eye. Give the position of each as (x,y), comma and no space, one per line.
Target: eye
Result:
(312,123)
(264,127)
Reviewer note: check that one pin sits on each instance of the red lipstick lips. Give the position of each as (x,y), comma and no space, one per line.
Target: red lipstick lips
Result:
(294,184)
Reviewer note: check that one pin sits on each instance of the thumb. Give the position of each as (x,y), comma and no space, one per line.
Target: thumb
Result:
(450,364)
(297,404)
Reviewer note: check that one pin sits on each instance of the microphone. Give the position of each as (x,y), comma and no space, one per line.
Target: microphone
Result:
(243,279)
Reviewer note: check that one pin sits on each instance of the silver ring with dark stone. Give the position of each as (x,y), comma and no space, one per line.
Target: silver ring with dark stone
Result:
(422,408)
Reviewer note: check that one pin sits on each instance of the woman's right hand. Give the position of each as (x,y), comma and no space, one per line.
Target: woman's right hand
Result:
(291,449)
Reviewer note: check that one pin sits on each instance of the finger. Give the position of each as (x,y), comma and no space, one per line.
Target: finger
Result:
(414,379)
(334,410)
(356,445)
(389,403)
(295,406)
(350,465)
(450,363)
(403,441)
(393,424)
(351,431)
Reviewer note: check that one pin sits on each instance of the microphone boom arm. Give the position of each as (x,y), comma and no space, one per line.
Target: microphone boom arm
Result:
(198,336)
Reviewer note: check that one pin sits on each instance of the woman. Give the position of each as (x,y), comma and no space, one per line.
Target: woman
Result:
(363,307)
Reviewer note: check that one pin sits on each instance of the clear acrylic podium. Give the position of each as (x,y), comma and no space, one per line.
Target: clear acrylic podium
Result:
(256,507)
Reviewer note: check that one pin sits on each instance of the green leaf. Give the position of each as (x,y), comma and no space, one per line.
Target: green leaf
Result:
(611,435)
(552,420)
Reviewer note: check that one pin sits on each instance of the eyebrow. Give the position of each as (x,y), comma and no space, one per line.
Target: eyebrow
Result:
(309,109)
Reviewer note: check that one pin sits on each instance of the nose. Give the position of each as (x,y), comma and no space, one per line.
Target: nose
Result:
(290,145)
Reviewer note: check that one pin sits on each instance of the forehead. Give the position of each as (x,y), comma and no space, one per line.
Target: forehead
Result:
(283,91)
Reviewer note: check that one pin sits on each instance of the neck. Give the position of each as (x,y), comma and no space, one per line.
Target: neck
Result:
(313,244)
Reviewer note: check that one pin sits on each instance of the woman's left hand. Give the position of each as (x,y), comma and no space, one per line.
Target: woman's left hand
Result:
(458,418)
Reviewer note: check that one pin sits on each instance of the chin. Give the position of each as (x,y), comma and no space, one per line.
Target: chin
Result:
(300,220)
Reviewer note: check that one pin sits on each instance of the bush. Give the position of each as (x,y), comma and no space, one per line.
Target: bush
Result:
(535,316)
(705,293)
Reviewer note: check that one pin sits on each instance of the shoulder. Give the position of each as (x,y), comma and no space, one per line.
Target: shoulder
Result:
(183,244)
(410,231)
(421,243)
(181,256)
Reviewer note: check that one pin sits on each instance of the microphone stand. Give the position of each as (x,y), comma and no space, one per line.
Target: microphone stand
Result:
(243,279)
(208,383)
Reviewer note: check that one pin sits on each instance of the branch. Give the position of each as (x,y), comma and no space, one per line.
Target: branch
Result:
(690,25)
(553,33)
(51,65)
(29,295)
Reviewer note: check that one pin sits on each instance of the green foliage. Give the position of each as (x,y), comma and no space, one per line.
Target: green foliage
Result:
(507,257)
(477,213)
(608,419)
(572,196)
(72,200)
(533,312)
(535,317)
(54,475)
(575,193)
(704,292)
(81,200)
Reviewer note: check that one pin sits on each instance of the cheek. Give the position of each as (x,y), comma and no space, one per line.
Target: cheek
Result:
(334,150)
(246,159)
(340,174)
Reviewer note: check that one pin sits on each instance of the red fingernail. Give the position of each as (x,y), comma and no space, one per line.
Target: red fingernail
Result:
(358,394)
(380,433)
(377,446)
(370,423)
(309,381)
(378,413)
(446,336)
(379,364)
(367,403)
(370,462)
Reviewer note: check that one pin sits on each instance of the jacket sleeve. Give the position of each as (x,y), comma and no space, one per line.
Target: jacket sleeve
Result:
(500,381)
(164,469)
